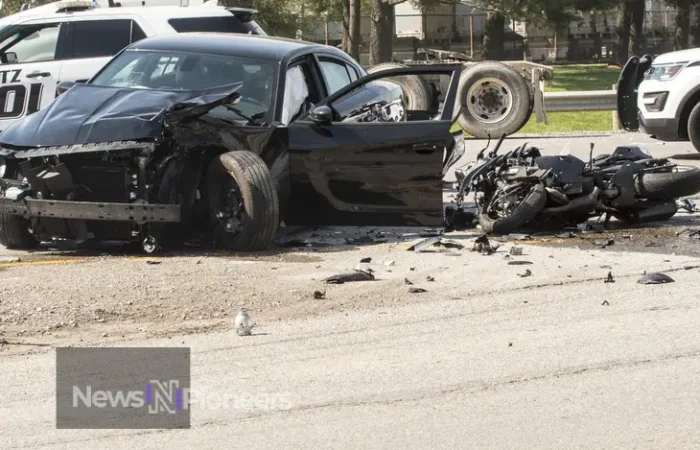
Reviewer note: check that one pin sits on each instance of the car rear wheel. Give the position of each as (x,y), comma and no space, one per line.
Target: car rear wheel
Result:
(694,127)
(14,233)
(242,200)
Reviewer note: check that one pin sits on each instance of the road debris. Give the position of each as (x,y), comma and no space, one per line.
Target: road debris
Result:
(429,278)
(483,246)
(518,237)
(437,241)
(655,278)
(604,243)
(519,263)
(389,263)
(153,263)
(687,204)
(244,324)
(415,290)
(609,278)
(318,295)
(366,260)
(605,303)
(566,235)
(358,275)
(516,251)
(527,273)
(408,282)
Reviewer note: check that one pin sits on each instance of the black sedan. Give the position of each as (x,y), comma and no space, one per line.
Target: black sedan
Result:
(223,137)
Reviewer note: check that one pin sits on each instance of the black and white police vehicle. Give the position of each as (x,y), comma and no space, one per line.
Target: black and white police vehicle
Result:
(72,40)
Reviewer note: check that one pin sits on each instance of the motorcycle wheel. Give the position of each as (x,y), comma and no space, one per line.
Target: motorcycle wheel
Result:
(680,181)
(494,221)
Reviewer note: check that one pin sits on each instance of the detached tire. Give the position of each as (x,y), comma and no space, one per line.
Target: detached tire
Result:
(419,95)
(246,175)
(494,99)
(683,181)
(694,127)
(524,213)
(14,233)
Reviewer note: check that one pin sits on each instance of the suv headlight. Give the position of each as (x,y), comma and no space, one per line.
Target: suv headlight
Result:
(664,72)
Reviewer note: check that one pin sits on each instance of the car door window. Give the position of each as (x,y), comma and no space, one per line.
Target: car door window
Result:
(336,75)
(98,38)
(34,43)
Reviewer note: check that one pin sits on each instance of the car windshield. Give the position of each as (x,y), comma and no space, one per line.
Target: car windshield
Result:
(189,71)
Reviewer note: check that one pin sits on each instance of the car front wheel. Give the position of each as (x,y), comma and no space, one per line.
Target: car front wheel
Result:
(242,200)
(694,127)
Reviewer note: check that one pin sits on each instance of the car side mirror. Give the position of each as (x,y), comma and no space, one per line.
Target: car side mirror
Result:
(323,115)
(63,86)
(10,57)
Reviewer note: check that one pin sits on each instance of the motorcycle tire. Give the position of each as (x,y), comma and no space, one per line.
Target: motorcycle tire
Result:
(524,213)
(683,181)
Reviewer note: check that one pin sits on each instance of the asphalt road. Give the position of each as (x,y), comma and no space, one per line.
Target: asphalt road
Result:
(484,359)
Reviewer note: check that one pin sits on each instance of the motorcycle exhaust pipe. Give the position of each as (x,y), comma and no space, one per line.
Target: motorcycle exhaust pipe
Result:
(586,202)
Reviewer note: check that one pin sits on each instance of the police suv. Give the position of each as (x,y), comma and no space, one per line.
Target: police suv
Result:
(72,40)
(661,96)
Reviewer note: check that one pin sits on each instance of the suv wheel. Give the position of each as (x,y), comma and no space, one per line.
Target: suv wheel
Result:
(694,127)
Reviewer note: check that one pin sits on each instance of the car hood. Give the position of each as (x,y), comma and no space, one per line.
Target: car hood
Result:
(678,57)
(87,114)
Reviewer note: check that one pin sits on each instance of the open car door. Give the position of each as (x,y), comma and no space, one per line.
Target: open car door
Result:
(631,77)
(362,158)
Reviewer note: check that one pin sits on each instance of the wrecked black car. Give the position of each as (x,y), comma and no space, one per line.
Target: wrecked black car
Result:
(221,138)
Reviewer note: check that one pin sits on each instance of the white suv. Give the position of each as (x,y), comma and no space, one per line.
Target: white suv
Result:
(71,41)
(662,97)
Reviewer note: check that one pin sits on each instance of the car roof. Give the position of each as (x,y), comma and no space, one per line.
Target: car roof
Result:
(230,44)
(160,12)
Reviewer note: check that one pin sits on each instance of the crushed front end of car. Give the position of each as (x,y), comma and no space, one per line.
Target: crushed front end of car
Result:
(103,163)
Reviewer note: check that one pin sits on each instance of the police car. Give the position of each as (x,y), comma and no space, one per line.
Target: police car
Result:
(661,96)
(71,40)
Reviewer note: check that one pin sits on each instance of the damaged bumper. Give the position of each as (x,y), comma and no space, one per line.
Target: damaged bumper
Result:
(139,213)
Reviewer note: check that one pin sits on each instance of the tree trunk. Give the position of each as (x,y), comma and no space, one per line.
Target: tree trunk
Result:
(494,35)
(637,28)
(597,40)
(681,38)
(345,44)
(355,36)
(624,22)
(381,45)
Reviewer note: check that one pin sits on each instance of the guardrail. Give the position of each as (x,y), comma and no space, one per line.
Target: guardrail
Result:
(580,101)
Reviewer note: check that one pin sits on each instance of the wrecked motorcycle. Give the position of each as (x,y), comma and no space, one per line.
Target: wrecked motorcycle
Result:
(523,187)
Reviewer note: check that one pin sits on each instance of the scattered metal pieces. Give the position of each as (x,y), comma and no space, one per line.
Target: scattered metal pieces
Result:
(437,241)
(483,246)
(655,278)
(516,251)
(605,303)
(366,260)
(407,282)
(588,226)
(153,263)
(604,243)
(566,235)
(318,295)
(244,324)
(609,278)
(389,263)
(527,273)
(518,237)
(415,290)
(412,269)
(358,275)
(606,267)
(429,278)
(519,263)
(626,236)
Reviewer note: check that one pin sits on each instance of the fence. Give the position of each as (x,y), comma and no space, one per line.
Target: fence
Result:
(465,32)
